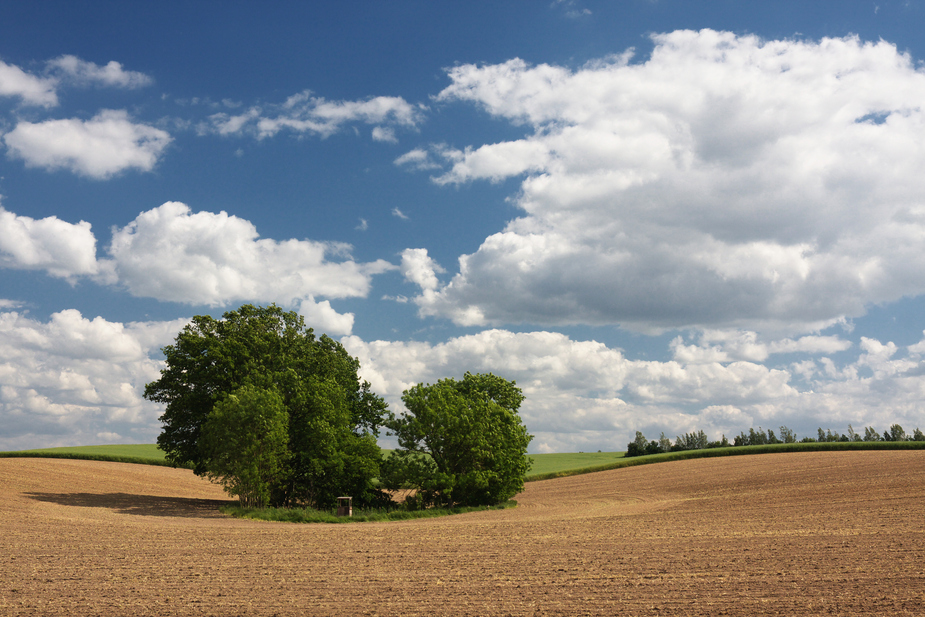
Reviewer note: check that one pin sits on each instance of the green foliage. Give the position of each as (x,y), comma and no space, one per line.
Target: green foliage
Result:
(787,435)
(664,444)
(896,433)
(827,436)
(461,442)
(243,443)
(333,417)
(638,446)
(690,441)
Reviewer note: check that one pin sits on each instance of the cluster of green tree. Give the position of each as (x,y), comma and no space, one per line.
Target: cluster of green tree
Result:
(698,441)
(688,441)
(280,418)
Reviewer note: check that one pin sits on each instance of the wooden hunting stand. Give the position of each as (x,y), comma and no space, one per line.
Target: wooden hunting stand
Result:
(345,506)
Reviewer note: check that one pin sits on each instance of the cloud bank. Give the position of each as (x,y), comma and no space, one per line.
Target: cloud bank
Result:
(725,182)
(72,379)
(77,380)
(582,395)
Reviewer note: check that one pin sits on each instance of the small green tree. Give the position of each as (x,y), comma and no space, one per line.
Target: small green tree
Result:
(897,433)
(638,446)
(461,442)
(243,443)
(664,444)
(787,435)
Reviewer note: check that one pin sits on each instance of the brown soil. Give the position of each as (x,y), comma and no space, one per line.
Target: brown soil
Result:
(778,534)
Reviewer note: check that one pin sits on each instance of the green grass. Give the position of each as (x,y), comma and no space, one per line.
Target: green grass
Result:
(734,451)
(544,464)
(143,450)
(143,454)
(309,515)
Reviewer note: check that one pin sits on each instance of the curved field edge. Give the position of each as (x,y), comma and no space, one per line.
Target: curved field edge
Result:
(148,454)
(733,451)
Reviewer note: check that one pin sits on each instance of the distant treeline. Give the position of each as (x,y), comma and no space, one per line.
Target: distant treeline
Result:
(698,441)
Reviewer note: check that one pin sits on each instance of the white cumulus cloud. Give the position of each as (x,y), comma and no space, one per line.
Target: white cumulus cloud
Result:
(173,254)
(419,268)
(101,147)
(31,89)
(725,182)
(324,319)
(65,250)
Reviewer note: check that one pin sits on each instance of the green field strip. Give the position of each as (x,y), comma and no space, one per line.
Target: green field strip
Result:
(733,451)
(141,454)
(143,450)
(545,466)
(555,463)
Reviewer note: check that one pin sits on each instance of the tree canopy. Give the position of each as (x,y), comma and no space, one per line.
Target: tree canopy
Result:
(461,442)
(333,417)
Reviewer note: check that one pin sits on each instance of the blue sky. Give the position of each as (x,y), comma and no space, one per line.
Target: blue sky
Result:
(653,215)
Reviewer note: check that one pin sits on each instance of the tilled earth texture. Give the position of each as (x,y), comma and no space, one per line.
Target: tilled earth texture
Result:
(839,533)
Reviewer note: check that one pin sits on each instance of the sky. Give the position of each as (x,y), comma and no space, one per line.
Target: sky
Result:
(653,215)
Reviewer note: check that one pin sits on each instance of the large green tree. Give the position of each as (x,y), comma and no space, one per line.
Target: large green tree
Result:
(334,418)
(460,443)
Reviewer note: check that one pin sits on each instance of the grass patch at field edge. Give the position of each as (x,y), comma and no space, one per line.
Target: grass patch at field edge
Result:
(309,515)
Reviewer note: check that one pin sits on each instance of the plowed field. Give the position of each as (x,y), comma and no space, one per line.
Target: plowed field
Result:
(838,533)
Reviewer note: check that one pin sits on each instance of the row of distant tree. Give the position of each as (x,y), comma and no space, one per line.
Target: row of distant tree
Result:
(698,440)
